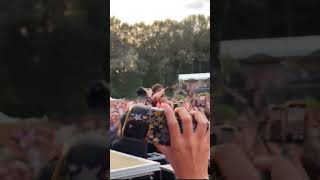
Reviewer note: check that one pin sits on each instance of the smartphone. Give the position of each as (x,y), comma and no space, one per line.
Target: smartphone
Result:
(295,119)
(152,122)
(202,101)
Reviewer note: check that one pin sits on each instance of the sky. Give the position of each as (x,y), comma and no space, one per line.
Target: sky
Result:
(132,11)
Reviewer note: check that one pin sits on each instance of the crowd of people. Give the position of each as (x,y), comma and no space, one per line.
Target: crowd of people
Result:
(119,107)
(31,148)
(190,86)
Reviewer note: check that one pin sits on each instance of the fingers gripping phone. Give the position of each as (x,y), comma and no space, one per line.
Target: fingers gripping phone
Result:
(152,122)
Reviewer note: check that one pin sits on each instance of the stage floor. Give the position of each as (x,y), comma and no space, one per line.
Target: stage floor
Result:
(124,166)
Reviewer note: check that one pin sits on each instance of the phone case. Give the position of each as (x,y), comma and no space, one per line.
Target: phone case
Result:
(154,120)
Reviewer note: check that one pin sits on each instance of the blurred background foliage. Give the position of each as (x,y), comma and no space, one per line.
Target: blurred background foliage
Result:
(142,54)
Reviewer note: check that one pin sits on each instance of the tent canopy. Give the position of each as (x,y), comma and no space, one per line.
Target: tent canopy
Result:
(112,99)
(196,76)
(276,47)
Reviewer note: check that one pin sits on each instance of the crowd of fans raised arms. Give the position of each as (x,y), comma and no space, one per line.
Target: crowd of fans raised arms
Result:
(119,106)
(29,149)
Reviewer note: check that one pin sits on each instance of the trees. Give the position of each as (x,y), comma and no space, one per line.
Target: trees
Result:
(142,55)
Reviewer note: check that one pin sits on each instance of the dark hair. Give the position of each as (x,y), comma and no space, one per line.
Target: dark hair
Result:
(47,171)
(136,129)
(78,159)
(97,95)
(156,87)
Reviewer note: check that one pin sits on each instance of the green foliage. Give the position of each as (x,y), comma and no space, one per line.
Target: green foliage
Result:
(180,97)
(229,67)
(312,102)
(225,112)
(142,55)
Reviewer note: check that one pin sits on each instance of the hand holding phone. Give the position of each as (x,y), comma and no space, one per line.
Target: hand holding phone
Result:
(189,151)
(182,136)
(151,124)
